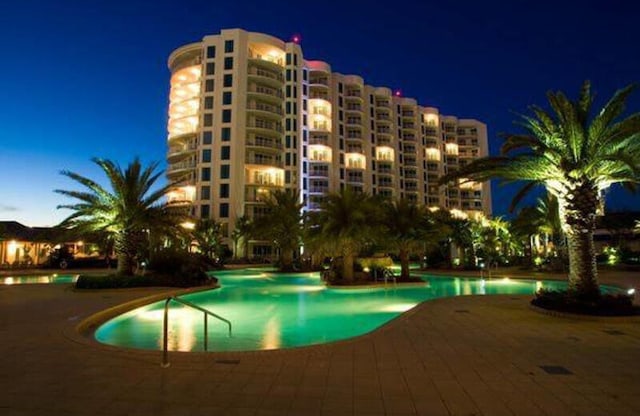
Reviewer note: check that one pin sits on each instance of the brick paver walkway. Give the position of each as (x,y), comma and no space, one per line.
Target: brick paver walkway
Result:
(458,356)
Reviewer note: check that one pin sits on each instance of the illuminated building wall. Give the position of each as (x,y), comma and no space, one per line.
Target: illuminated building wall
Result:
(248,114)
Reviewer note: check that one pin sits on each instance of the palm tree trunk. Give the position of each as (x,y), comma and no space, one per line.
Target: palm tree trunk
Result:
(404,264)
(347,267)
(125,264)
(286,260)
(579,215)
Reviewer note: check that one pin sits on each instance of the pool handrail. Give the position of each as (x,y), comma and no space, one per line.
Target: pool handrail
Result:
(165,331)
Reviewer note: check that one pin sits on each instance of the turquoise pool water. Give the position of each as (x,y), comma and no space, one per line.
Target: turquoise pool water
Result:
(49,278)
(270,310)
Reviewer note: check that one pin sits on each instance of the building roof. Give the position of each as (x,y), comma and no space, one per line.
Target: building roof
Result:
(13,230)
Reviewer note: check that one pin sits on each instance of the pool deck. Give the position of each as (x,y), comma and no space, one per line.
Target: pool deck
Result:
(469,355)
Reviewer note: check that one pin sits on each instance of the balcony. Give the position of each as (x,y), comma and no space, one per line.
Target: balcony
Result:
(181,195)
(353,108)
(318,139)
(384,130)
(384,153)
(319,171)
(264,176)
(268,110)
(355,161)
(177,153)
(262,160)
(319,189)
(319,153)
(272,58)
(355,177)
(410,162)
(265,93)
(178,170)
(266,77)
(265,126)
(264,143)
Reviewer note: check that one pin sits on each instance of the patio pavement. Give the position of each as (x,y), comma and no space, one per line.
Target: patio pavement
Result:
(469,355)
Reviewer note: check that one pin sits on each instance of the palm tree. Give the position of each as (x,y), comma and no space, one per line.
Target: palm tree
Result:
(243,230)
(576,156)
(282,224)
(208,235)
(345,221)
(129,211)
(403,222)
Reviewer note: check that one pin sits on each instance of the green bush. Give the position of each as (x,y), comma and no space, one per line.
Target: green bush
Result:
(168,267)
(605,305)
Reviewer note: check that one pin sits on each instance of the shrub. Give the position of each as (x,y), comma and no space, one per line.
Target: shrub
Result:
(605,305)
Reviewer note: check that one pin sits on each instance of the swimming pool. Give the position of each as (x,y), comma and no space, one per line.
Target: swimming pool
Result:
(33,279)
(271,310)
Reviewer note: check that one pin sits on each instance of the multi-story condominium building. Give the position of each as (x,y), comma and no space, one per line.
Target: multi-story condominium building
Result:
(248,114)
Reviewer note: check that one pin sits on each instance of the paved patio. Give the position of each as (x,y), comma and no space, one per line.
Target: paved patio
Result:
(459,356)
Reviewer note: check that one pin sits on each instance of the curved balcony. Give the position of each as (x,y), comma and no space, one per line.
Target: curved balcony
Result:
(177,153)
(355,161)
(262,161)
(264,144)
(260,126)
(385,184)
(385,154)
(182,139)
(264,176)
(266,57)
(269,94)
(182,126)
(265,77)
(267,110)
(181,195)
(179,170)
(319,171)
(319,153)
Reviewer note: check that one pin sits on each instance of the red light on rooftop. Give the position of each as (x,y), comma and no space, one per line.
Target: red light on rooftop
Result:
(295,38)
(398,93)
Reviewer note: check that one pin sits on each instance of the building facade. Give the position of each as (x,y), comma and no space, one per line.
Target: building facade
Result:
(249,114)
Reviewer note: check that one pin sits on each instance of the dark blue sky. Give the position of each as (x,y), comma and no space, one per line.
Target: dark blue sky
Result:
(89,78)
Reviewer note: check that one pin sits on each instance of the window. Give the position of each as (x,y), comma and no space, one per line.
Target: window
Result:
(211,52)
(225,134)
(208,85)
(208,103)
(224,190)
(225,152)
(228,46)
(206,156)
(224,171)
(224,210)
(227,80)
(208,120)
(206,174)
(228,62)
(288,59)
(226,116)
(204,211)
(211,68)
(226,98)
(205,192)
(207,137)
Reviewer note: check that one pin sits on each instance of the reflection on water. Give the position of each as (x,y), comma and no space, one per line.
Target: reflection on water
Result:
(271,310)
(44,279)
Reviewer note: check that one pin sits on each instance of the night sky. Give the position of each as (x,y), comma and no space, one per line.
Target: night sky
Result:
(89,78)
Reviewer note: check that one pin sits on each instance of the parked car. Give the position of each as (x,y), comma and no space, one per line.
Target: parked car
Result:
(62,258)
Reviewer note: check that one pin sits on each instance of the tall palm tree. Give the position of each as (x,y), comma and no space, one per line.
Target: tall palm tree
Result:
(403,222)
(129,211)
(576,156)
(282,224)
(345,220)
(243,231)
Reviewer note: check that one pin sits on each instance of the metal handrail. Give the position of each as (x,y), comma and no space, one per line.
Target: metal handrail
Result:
(165,331)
